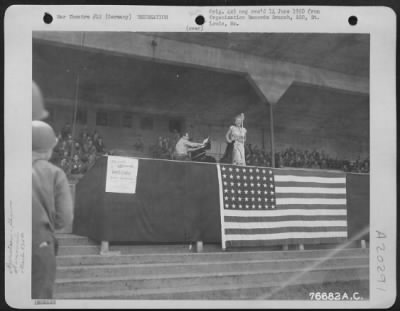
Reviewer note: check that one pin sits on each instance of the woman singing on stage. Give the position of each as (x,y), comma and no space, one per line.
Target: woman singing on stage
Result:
(236,137)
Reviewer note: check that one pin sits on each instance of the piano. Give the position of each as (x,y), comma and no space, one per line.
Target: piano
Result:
(200,154)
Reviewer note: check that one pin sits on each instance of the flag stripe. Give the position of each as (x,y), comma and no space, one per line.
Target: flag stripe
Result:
(283,224)
(311,195)
(300,179)
(310,207)
(316,173)
(308,184)
(284,201)
(237,219)
(310,190)
(287,235)
(280,212)
(252,231)
(290,240)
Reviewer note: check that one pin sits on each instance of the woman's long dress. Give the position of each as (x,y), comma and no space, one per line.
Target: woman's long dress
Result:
(238,134)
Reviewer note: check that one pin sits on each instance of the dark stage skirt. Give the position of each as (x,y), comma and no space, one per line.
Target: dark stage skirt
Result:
(227,157)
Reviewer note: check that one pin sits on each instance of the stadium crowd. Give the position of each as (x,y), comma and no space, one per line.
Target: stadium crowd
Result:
(165,147)
(291,157)
(76,155)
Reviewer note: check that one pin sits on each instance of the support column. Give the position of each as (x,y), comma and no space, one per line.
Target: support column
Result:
(363,244)
(271,123)
(199,246)
(75,112)
(105,249)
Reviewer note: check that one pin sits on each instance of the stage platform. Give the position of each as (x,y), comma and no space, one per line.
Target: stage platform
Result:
(177,203)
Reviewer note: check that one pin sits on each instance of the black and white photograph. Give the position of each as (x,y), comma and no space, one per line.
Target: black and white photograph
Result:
(203,166)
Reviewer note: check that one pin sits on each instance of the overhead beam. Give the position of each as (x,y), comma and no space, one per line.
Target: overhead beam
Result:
(272,77)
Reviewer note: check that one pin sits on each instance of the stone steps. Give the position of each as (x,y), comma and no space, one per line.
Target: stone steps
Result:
(172,271)
(139,269)
(73,240)
(187,256)
(78,250)
(188,286)
(220,292)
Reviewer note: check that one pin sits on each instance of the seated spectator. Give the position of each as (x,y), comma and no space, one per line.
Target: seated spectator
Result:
(76,165)
(84,138)
(70,142)
(100,148)
(90,146)
(84,132)
(315,165)
(91,159)
(92,150)
(77,149)
(175,136)
(365,167)
(65,165)
(66,130)
(84,149)
(139,146)
(95,135)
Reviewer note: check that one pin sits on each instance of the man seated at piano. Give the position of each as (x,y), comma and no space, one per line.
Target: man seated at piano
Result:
(184,146)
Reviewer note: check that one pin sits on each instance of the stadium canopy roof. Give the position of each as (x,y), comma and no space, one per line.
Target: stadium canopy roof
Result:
(145,85)
(344,53)
(210,95)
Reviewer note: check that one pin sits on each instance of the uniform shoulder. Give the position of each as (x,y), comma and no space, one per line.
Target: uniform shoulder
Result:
(46,166)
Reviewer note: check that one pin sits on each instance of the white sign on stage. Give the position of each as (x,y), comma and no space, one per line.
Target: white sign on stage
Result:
(121,174)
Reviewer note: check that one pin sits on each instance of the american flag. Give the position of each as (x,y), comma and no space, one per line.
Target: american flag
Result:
(265,206)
